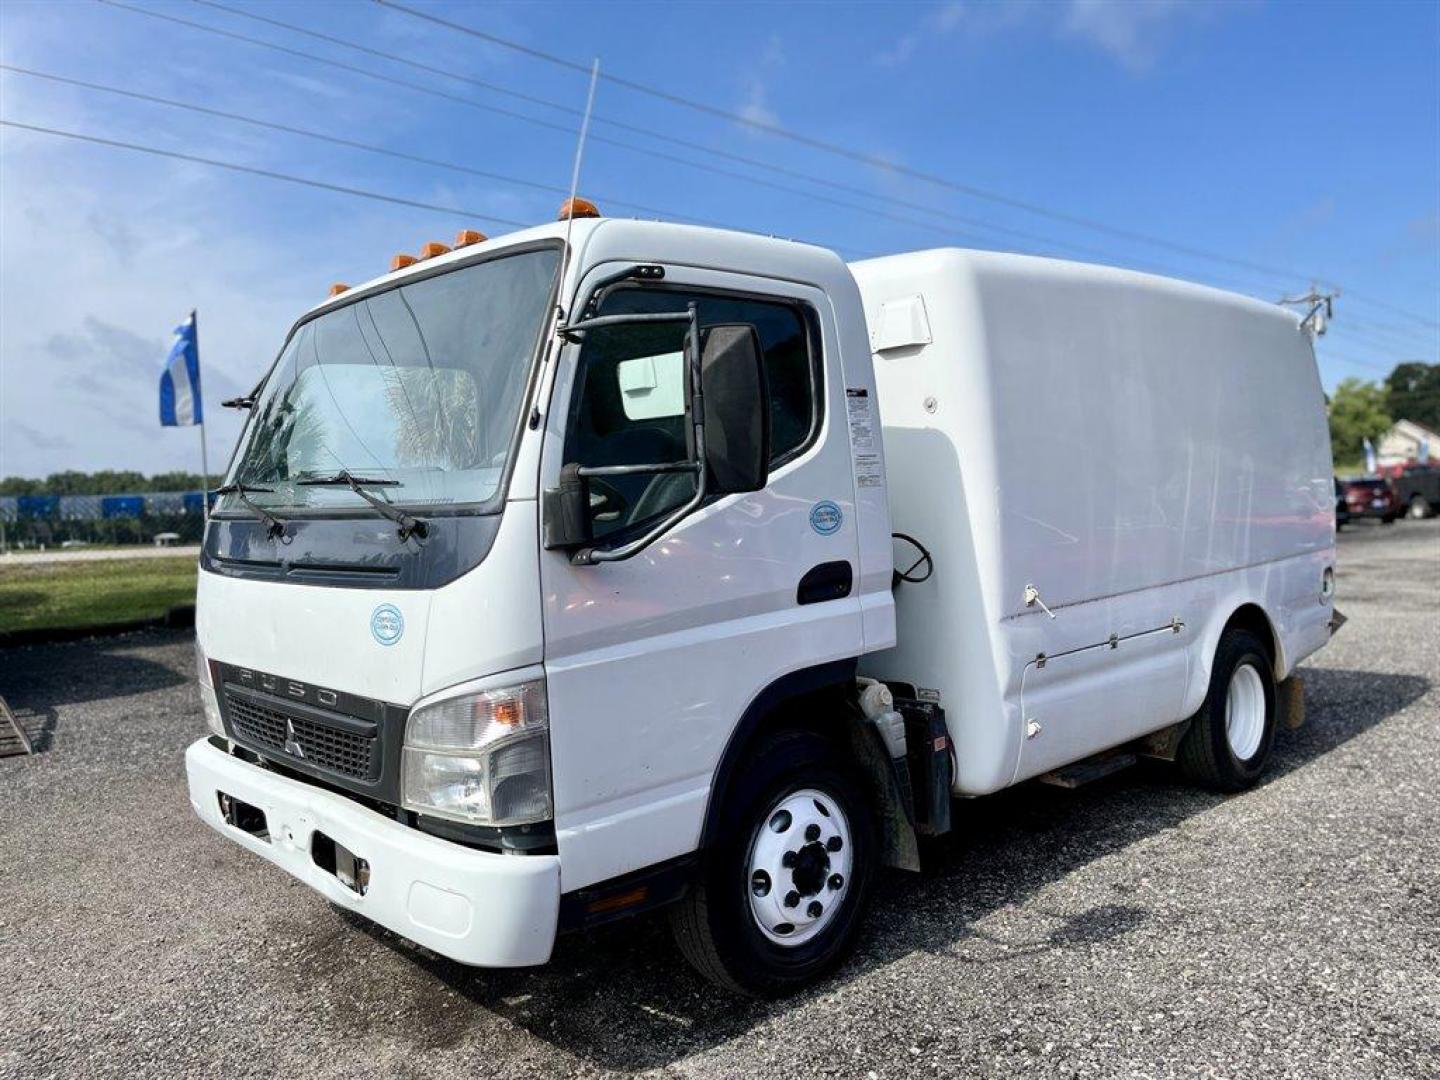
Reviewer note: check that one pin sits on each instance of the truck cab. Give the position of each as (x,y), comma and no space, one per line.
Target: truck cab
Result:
(475,696)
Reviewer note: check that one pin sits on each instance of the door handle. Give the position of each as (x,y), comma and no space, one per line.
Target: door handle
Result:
(827,581)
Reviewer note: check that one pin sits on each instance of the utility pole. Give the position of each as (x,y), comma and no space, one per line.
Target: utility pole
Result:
(1322,309)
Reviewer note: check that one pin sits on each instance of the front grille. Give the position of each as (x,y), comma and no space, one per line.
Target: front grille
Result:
(341,752)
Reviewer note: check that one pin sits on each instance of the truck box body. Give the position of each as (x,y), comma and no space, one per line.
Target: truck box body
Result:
(1146,453)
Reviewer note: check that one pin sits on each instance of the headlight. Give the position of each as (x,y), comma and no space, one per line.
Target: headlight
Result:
(208,704)
(482,758)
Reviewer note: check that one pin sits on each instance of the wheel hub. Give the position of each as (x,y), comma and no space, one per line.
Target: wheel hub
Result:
(799,866)
(1245,712)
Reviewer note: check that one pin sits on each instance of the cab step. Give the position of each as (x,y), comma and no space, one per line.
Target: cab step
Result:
(1088,769)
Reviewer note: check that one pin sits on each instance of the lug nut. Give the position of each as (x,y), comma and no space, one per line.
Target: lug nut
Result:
(812,832)
(787,860)
(834,844)
(792,898)
(815,909)
(836,881)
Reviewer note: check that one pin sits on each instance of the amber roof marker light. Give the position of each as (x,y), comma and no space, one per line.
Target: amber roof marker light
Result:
(338,288)
(466,237)
(433,248)
(577,207)
(401,261)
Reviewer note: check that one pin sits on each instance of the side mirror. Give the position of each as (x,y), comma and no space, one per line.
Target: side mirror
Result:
(566,510)
(737,409)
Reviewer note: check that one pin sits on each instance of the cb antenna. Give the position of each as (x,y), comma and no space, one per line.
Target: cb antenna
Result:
(575,171)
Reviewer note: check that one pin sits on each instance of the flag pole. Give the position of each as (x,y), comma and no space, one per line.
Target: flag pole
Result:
(200,403)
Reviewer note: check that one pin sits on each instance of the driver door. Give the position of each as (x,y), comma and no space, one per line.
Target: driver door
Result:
(651,661)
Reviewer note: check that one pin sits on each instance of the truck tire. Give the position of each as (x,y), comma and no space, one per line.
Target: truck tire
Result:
(1419,506)
(1229,741)
(781,893)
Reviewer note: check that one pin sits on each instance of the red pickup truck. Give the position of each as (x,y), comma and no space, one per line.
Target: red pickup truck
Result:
(1372,497)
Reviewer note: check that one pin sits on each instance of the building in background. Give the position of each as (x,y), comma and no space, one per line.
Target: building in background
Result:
(1405,442)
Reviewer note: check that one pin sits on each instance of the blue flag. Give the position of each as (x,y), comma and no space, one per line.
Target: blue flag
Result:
(180,382)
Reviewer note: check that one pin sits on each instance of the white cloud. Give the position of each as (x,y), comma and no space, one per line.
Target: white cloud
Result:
(1133,33)
(755,106)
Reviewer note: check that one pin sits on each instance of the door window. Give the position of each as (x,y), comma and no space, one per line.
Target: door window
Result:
(629,405)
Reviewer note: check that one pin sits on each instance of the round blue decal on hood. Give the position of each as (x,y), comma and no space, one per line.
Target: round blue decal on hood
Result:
(387,625)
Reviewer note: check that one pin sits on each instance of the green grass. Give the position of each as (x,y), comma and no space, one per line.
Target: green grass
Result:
(53,595)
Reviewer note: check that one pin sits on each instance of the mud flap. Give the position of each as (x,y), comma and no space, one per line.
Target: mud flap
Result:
(1290,702)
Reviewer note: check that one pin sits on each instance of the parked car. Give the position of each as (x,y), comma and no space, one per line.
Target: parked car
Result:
(1418,489)
(1372,497)
(1342,508)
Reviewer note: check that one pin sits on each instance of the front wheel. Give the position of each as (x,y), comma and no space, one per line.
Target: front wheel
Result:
(781,894)
(1229,740)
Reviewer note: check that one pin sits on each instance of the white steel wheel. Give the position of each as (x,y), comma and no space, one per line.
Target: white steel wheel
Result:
(799,867)
(1245,712)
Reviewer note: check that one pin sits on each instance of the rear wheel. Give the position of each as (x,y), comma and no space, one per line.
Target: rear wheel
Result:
(781,894)
(1229,741)
(1420,507)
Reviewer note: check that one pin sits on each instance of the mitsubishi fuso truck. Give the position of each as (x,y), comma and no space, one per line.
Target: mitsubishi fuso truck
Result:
(611,565)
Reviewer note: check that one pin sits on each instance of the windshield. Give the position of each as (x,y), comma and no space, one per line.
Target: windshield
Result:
(419,386)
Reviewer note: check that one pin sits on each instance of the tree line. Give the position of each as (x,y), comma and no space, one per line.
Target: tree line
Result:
(105,482)
(1361,409)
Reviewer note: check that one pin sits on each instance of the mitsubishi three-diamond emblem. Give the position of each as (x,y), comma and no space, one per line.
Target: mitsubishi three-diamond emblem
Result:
(292,745)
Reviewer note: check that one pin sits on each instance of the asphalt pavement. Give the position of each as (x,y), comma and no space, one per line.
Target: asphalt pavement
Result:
(1134,927)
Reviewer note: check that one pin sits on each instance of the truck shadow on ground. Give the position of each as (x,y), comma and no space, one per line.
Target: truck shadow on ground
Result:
(621,997)
(39,680)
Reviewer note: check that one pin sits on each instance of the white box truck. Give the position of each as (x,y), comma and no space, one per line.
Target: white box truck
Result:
(684,567)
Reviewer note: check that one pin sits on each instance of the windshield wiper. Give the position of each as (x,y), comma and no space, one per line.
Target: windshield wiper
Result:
(274,526)
(409,524)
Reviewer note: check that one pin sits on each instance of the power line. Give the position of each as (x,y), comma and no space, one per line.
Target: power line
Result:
(1048,245)
(268,173)
(340,141)
(289,178)
(852,154)
(688,144)
(665,137)
(928,225)
(876,161)
(472,103)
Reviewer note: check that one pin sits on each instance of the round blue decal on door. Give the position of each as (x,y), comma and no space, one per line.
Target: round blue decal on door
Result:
(826,518)
(387,625)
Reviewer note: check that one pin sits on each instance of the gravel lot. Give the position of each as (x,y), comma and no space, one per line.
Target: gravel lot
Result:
(1134,927)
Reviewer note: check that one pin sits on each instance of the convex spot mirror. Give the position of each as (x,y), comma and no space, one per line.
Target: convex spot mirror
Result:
(737,408)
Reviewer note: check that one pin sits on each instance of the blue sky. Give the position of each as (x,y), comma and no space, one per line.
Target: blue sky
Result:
(1301,138)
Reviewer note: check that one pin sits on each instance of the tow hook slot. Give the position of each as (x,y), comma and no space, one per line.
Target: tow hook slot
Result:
(241,815)
(348,868)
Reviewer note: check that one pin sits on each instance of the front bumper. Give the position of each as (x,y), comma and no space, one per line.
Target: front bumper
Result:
(473,906)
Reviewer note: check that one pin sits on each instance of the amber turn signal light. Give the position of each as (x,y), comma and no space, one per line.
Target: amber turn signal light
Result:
(466,237)
(577,208)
